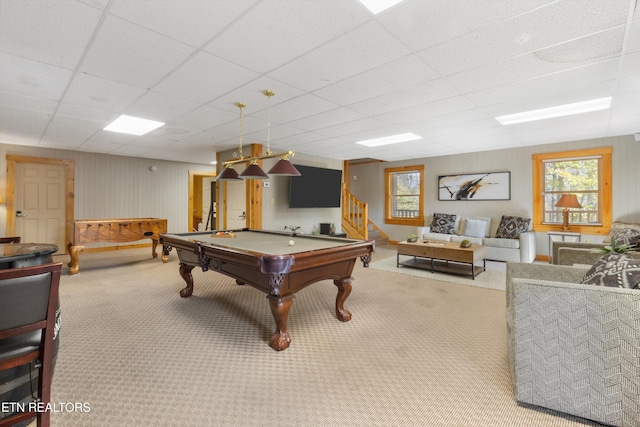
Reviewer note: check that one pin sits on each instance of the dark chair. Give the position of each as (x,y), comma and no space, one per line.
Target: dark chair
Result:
(15,239)
(28,303)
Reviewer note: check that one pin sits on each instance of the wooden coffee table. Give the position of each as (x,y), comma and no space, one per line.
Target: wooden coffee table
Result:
(444,257)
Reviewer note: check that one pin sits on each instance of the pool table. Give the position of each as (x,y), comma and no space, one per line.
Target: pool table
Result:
(266,261)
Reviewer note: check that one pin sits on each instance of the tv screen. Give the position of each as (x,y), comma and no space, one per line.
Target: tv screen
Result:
(315,188)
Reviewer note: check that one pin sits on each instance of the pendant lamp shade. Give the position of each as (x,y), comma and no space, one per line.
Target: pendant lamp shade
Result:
(253,171)
(284,168)
(228,174)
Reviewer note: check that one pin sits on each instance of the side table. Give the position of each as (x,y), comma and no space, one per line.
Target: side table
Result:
(563,235)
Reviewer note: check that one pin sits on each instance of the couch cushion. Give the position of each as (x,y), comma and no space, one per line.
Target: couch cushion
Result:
(438,237)
(627,236)
(501,242)
(512,226)
(475,227)
(616,270)
(616,227)
(473,240)
(443,223)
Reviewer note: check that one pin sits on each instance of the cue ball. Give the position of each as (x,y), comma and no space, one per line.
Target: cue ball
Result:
(291,243)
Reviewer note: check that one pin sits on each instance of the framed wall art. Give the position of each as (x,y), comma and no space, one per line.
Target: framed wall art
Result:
(475,186)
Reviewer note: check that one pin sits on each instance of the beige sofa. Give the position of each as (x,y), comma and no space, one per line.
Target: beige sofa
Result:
(522,249)
(586,253)
(573,348)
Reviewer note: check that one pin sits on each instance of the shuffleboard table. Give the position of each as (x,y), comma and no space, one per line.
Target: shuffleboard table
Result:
(266,261)
(112,230)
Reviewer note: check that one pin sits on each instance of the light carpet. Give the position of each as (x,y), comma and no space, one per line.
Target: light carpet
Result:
(492,278)
(416,353)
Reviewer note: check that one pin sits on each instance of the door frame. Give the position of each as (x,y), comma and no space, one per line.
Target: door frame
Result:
(193,176)
(12,160)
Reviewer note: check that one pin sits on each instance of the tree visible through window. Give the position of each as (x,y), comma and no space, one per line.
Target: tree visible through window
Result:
(585,173)
(404,191)
(577,176)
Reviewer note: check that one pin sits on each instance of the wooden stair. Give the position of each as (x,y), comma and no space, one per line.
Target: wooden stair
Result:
(355,220)
(374,233)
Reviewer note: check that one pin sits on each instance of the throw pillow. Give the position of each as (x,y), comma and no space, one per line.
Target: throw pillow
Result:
(616,270)
(443,223)
(512,226)
(475,227)
(627,236)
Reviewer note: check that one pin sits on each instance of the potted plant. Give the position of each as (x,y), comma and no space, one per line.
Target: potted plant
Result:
(466,243)
(621,249)
(412,238)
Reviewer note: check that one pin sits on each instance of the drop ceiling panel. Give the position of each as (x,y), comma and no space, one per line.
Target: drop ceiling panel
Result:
(35,79)
(14,120)
(72,128)
(161,107)
(203,78)
(393,76)
(422,24)
(440,68)
(51,32)
(193,22)
(130,54)
(570,80)
(100,94)
(364,48)
(275,32)
(327,119)
(27,103)
(540,32)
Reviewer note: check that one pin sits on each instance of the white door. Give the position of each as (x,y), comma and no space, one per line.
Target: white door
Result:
(236,205)
(40,203)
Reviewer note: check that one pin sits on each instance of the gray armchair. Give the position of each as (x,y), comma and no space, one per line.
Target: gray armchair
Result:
(586,253)
(573,348)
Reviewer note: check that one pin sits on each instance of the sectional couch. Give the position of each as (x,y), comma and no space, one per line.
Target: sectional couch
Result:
(519,246)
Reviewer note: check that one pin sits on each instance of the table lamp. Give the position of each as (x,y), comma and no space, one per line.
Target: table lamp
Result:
(567,201)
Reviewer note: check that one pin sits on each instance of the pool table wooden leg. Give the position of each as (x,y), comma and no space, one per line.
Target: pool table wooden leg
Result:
(185,273)
(344,289)
(280,339)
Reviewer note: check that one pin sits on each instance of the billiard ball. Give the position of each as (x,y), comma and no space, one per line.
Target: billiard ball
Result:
(291,243)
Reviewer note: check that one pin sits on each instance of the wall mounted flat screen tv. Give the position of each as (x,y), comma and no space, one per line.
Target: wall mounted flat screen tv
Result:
(315,188)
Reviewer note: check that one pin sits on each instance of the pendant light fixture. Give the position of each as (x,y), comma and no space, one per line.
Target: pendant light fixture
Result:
(283,167)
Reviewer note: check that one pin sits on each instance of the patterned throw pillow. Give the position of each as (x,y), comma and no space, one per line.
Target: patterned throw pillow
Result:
(627,236)
(616,270)
(443,223)
(512,226)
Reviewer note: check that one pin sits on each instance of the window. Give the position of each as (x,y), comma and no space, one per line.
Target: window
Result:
(404,195)
(585,173)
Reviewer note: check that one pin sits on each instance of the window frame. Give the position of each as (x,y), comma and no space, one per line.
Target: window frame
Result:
(388,208)
(604,191)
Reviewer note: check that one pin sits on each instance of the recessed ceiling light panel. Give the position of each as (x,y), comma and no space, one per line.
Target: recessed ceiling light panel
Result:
(133,125)
(391,139)
(558,111)
(377,6)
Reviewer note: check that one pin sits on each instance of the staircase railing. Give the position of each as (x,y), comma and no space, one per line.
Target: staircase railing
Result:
(354,215)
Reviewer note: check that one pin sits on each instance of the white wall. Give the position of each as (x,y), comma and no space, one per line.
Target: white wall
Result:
(369,185)
(108,186)
(275,211)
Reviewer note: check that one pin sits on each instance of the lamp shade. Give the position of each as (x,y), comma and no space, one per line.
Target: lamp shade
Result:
(253,171)
(284,168)
(568,201)
(228,174)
